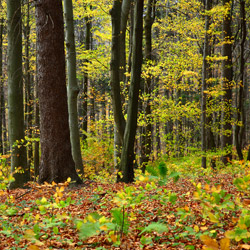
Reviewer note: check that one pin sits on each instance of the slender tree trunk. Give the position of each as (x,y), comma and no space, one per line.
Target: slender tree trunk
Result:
(57,163)
(146,137)
(127,156)
(227,77)
(27,81)
(73,88)
(240,107)
(115,68)
(15,95)
(86,80)
(205,77)
(1,85)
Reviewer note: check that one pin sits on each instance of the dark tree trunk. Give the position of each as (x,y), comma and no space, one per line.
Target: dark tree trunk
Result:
(56,159)
(227,77)
(27,81)
(1,86)
(127,156)
(147,135)
(240,107)
(115,68)
(86,80)
(15,96)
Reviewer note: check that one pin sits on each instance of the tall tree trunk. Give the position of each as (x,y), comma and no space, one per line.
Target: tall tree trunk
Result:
(57,163)
(227,77)
(88,24)
(1,85)
(115,68)
(15,95)
(127,156)
(205,77)
(27,81)
(73,88)
(146,137)
(240,107)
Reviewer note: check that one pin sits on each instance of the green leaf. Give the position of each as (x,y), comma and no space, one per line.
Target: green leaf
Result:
(156,227)
(89,229)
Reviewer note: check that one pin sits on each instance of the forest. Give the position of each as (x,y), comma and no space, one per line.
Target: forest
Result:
(124,124)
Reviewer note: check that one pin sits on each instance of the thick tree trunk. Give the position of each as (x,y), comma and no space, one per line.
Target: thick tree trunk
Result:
(205,77)
(73,88)
(227,77)
(127,156)
(240,106)
(15,95)
(56,159)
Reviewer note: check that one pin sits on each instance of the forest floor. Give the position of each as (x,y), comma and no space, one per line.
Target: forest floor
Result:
(203,212)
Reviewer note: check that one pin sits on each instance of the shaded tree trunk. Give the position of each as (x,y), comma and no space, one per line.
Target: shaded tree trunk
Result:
(73,88)
(146,137)
(205,77)
(240,106)
(57,163)
(27,81)
(1,86)
(86,80)
(127,156)
(15,95)
(227,77)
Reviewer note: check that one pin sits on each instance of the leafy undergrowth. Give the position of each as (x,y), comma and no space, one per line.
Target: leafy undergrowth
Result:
(160,210)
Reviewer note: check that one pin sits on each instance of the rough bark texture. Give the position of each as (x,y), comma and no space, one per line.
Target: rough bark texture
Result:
(73,88)
(56,159)
(240,106)
(15,95)
(205,77)
(127,156)
(227,76)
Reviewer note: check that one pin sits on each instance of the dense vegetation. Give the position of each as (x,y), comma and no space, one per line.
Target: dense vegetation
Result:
(124,124)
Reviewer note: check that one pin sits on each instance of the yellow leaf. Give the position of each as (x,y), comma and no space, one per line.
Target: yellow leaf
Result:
(213,218)
(196,229)
(69,179)
(33,247)
(203,228)
(225,244)
(113,237)
(209,242)
(91,219)
(199,185)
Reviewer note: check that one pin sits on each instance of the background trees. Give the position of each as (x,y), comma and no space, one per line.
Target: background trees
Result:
(193,89)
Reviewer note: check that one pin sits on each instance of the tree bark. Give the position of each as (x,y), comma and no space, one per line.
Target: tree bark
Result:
(146,137)
(56,159)
(1,85)
(73,88)
(240,106)
(88,24)
(227,77)
(127,156)
(27,81)
(15,96)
